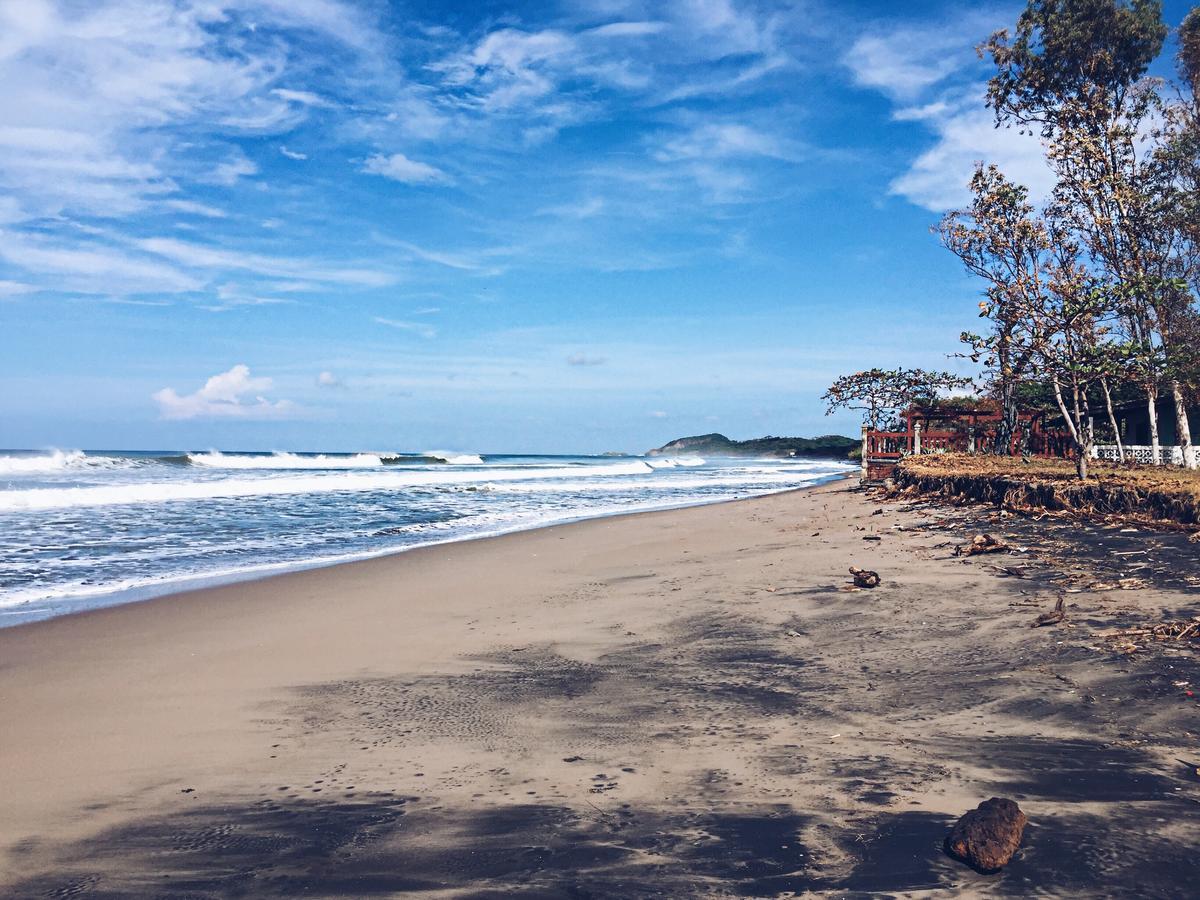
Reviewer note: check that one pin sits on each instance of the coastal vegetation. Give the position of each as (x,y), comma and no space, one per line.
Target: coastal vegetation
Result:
(1089,293)
(827,445)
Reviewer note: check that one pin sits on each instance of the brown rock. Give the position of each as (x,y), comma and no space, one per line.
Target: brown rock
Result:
(987,837)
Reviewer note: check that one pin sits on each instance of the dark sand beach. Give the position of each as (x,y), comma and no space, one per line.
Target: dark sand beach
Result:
(685,703)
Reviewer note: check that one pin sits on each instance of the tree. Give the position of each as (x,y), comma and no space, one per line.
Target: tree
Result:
(1075,72)
(880,394)
(998,239)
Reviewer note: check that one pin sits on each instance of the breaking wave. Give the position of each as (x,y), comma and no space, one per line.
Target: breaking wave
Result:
(165,492)
(456,459)
(58,461)
(215,459)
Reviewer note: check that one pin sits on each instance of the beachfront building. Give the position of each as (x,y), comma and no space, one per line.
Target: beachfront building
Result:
(1133,424)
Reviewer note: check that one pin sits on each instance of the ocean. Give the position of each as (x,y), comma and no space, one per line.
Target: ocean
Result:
(87,529)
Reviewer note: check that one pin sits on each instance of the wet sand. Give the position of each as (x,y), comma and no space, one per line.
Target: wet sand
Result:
(685,703)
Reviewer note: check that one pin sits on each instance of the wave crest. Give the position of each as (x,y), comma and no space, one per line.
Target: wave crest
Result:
(456,459)
(215,459)
(58,461)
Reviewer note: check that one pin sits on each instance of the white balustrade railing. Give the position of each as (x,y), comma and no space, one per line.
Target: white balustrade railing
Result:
(1140,453)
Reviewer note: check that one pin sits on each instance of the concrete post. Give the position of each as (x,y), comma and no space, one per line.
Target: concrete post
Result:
(916,447)
(864,452)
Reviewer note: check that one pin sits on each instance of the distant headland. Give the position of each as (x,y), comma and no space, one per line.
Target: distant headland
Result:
(828,445)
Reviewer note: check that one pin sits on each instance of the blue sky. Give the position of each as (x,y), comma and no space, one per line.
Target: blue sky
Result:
(328,224)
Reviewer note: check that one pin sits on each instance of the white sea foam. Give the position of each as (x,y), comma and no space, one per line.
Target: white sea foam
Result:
(670,462)
(58,461)
(162,492)
(456,459)
(215,459)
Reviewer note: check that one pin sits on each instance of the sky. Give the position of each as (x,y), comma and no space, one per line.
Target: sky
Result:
(492,227)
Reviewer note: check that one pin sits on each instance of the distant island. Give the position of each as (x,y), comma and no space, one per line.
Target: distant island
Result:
(828,445)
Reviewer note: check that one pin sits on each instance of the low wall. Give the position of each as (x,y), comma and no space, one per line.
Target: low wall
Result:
(1090,498)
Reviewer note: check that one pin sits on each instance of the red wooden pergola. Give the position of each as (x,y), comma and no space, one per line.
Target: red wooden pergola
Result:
(958,429)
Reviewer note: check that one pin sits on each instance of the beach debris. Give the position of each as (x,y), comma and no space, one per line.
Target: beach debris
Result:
(872,537)
(864,578)
(1178,630)
(981,543)
(987,837)
(1053,617)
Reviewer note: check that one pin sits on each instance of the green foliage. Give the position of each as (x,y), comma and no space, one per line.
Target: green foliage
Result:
(1189,50)
(1069,55)
(880,394)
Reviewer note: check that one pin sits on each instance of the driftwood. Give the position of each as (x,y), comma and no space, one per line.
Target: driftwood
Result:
(1182,630)
(1050,618)
(864,578)
(981,543)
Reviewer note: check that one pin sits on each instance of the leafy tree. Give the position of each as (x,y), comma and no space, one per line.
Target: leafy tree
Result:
(880,394)
(999,239)
(1074,72)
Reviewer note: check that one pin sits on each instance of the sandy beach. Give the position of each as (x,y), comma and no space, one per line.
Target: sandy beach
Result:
(683,703)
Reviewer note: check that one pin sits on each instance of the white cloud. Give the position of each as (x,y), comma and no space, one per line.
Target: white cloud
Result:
(328,380)
(966,135)
(304,98)
(229,395)
(205,256)
(659,414)
(399,167)
(628,29)
(584,209)
(715,140)
(930,73)
(418,328)
(196,209)
(903,63)
(582,359)
(292,154)
(234,168)
(14,288)
(93,268)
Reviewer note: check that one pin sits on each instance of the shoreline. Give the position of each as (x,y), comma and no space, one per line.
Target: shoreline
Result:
(685,702)
(106,599)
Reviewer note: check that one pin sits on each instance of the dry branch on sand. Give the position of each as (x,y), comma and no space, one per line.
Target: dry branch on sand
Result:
(1178,630)
(1050,618)
(981,543)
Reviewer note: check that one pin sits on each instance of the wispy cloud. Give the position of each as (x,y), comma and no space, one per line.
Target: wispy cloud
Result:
(932,75)
(418,328)
(234,394)
(399,167)
(209,257)
(195,208)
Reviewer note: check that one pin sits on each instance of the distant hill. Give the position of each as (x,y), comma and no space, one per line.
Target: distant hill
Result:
(829,445)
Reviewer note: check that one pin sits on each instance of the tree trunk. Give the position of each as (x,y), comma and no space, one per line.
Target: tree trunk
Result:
(1074,429)
(1183,428)
(1152,410)
(1008,420)
(1112,420)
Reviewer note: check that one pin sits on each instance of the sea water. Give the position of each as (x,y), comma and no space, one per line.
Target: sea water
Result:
(87,529)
